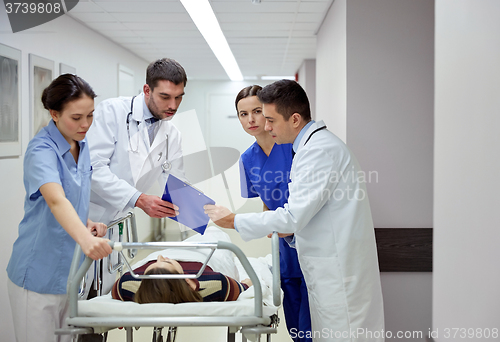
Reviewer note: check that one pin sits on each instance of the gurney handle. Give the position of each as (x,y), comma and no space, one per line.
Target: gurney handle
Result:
(118,246)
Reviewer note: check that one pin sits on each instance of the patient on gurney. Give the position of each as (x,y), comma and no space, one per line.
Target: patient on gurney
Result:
(209,287)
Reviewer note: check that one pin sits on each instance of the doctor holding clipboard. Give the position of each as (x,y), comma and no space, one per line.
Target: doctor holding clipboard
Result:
(133,144)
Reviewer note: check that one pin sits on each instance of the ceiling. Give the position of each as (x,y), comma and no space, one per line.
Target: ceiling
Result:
(267,39)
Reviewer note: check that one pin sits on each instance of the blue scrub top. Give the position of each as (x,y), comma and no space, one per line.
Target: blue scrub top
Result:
(42,253)
(268,178)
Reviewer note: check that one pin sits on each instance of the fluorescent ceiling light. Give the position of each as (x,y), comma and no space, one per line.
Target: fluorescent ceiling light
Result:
(204,18)
(277,78)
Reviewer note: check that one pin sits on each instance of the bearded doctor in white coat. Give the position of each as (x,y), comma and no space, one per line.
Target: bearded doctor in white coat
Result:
(329,214)
(126,161)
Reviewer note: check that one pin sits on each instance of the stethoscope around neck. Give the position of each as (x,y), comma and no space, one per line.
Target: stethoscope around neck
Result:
(166,165)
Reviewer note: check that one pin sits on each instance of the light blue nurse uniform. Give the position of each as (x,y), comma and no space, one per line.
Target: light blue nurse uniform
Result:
(42,253)
(268,178)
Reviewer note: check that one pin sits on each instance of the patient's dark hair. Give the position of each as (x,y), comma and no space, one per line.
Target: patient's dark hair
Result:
(165,290)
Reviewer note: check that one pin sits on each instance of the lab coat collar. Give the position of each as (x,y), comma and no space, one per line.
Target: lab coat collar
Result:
(146,112)
(308,130)
(138,113)
(296,142)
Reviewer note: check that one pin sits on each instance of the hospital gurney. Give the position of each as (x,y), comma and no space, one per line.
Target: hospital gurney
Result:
(102,314)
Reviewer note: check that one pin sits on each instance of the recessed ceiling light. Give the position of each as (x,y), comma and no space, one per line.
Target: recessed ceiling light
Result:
(204,18)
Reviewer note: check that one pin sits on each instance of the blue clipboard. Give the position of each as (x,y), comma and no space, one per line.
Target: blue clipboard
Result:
(190,202)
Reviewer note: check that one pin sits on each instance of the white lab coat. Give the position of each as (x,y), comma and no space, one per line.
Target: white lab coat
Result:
(123,166)
(334,236)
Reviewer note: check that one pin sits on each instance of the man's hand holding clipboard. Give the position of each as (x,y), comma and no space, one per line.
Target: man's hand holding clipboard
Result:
(190,202)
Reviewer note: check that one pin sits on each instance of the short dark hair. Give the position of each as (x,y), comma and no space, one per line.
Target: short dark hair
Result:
(165,69)
(252,90)
(288,97)
(64,89)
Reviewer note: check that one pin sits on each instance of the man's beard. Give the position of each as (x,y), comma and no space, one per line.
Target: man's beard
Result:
(156,112)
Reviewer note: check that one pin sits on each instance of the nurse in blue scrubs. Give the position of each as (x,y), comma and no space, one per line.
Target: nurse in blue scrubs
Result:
(265,173)
(57,175)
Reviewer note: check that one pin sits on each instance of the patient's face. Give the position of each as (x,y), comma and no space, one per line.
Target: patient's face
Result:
(169,264)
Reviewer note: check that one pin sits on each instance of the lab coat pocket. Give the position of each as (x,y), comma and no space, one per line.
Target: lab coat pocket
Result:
(151,168)
(324,283)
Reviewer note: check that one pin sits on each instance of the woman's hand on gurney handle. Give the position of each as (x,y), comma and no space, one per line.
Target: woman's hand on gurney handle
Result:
(98,229)
(221,216)
(155,207)
(95,247)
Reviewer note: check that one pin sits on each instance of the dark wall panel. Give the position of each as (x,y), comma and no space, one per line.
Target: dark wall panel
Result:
(404,249)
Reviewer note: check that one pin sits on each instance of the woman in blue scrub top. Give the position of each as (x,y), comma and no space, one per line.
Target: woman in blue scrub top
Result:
(265,173)
(57,175)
